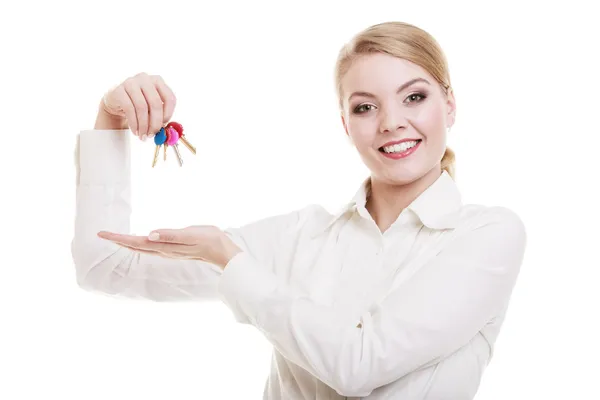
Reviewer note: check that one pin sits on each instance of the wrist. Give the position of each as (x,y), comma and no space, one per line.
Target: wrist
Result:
(228,250)
(106,121)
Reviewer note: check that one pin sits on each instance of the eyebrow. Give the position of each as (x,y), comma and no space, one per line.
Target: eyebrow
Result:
(400,89)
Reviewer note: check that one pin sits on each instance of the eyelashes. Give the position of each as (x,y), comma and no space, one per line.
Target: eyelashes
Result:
(422,97)
(366,107)
(361,108)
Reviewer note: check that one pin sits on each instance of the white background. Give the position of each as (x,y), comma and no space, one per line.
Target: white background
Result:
(255,87)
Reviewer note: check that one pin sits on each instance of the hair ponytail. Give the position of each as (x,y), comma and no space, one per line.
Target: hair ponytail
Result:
(449,162)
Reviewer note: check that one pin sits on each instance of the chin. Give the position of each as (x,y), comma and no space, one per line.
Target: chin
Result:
(402,174)
(404,178)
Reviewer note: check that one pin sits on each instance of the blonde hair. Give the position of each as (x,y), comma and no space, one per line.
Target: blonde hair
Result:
(402,40)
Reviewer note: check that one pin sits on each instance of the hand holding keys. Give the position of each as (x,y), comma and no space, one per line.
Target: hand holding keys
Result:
(170,135)
(144,103)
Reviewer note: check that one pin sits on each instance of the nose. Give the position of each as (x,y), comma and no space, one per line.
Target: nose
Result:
(391,121)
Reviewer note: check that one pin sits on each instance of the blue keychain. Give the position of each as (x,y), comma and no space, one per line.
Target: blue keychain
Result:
(159,139)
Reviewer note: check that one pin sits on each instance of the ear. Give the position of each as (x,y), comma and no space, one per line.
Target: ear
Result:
(451,107)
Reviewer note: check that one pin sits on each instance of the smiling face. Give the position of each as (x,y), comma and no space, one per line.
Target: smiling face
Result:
(387,100)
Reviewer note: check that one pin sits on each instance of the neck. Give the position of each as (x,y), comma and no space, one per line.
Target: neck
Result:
(386,201)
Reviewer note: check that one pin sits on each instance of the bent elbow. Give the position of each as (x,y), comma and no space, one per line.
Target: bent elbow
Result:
(84,282)
(91,268)
(350,384)
(84,279)
(356,371)
(350,389)
(82,269)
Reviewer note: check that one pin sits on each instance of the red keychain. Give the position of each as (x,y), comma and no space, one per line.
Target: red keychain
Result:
(170,135)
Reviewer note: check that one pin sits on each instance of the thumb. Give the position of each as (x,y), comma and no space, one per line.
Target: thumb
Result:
(179,236)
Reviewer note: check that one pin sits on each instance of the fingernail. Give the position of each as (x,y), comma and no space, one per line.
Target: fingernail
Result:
(153,236)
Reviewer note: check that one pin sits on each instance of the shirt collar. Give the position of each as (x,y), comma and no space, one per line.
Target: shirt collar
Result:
(437,207)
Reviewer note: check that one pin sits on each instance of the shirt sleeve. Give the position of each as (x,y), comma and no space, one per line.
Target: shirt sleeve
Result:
(103,202)
(444,305)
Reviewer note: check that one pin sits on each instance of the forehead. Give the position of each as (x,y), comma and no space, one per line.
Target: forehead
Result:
(380,72)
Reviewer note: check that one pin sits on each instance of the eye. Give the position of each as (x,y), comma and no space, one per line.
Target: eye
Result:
(420,96)
(362,108)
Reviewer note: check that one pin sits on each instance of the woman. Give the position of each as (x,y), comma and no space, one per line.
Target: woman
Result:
(400,295)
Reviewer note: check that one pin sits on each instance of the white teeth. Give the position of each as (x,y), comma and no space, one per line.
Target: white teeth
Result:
(399,148)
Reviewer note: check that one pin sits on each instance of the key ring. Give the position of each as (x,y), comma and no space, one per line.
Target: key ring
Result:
(170,135)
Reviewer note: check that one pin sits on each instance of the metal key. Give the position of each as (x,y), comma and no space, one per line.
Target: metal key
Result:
(159,139)
(186,143)
(172,139)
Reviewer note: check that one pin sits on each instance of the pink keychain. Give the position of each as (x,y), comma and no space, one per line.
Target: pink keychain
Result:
(172,139)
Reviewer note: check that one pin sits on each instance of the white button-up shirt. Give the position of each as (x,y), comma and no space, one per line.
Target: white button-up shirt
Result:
(351,312)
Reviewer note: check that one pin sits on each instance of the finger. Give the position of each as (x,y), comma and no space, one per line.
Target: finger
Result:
(165,250)
(108,235)
(175,236)
(155,106)
(148,252)
(139,245)
(139,103)
(128,109)
(168,98)
(140,242)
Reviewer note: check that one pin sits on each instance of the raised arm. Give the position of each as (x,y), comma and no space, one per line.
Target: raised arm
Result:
(103,203)
(443,307)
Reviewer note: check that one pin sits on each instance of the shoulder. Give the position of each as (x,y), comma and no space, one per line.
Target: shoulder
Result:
(313,217)
(314,213)
(493,230)
(476,216)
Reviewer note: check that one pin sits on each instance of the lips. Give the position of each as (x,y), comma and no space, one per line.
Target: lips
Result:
(398,142)
(401,155)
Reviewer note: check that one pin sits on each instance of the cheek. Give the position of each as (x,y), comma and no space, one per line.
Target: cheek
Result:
(362,130)
(430,122)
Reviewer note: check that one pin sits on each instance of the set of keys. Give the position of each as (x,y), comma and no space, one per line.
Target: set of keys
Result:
(171,135)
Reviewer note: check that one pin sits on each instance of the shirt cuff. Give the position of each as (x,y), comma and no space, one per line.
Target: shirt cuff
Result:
(103,156)
(245,286)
